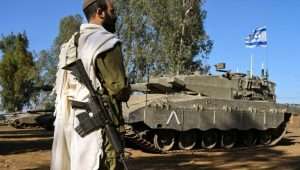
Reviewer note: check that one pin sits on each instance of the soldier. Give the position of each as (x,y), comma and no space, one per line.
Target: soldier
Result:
(100,51)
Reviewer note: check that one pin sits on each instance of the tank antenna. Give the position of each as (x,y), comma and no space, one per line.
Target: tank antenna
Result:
(148,80)
(251,67)
(263,75)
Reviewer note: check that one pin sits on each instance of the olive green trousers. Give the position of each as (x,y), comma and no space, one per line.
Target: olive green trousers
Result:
(110,159)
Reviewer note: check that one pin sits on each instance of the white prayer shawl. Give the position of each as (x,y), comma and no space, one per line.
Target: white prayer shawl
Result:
(77,153)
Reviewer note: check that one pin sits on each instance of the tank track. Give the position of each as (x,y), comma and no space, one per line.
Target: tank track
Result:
(240,148)
(257,147)
(146,145)
(24,126)
(135,138)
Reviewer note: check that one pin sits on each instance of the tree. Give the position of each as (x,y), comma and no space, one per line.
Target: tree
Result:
(67,27)
(18,73)
(46,66)
(164,36)
(139,38)
(182,31)
(48,59)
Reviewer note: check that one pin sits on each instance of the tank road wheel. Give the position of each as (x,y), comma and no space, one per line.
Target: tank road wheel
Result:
(249,138)
(16,124)
(265,137)
(209,139)
(187,140)
(164,140)
(228,139)
(23,126)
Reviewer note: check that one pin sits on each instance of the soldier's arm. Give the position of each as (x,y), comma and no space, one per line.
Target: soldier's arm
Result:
(112,72)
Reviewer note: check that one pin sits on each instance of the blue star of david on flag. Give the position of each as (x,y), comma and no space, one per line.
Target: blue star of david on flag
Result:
(257,39)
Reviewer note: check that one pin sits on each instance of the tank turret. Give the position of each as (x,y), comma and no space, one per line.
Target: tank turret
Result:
(32,119)
(226,86)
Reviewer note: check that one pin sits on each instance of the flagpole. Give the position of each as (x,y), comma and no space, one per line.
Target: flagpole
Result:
(251,67)
(257,39)
(267,57)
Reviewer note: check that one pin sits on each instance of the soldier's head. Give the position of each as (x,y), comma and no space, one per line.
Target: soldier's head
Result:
(100,12)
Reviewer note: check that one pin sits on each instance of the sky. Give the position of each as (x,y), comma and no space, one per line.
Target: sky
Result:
(228,22)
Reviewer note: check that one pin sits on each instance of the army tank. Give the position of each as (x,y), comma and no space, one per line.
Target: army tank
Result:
(32,119)
(185,112)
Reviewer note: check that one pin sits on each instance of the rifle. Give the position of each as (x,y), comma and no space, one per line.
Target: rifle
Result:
(97,113)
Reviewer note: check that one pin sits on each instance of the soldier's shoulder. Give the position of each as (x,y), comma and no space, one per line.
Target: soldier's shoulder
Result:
(70,41)
(68,49)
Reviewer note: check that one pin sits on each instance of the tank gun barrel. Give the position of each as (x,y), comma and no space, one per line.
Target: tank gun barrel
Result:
(43,88)
(41,111)
(160,85)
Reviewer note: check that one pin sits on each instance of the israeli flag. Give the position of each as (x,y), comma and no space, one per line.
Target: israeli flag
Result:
(257,39)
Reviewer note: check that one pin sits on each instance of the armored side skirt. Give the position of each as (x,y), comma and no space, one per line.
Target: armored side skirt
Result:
(208,113)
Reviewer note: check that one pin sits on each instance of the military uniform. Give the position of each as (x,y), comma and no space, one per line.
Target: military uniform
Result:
(113,78)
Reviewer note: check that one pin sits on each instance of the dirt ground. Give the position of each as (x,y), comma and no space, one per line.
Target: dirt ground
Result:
(30,150)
